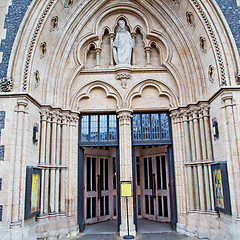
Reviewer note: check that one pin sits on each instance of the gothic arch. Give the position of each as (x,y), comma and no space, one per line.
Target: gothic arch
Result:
(78,16)
(86,90)
(162,89)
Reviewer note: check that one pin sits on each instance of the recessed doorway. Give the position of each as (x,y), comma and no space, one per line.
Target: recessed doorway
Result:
(152,183)
(100,184)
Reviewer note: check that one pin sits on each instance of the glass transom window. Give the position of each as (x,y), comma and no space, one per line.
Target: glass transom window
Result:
(98,129)
(151,128)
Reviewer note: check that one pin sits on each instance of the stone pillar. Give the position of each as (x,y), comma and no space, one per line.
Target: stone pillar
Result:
(58,156)
(98,51)
(19,162)
(209,154)
(111,37)
(63,175)
(125,152)
(53,163)
(232,151)
(148,50)
(47,161)
(134,35)
(194,159)
(205,166)
(199,158)
(207,133)
(188,159)
(43,134)
(73,164)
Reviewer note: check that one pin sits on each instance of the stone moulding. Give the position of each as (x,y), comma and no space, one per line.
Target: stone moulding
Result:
(6,84)
(30,49)
(194,2)
(215,42)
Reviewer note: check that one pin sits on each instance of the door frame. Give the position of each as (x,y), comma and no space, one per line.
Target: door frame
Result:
(172,186)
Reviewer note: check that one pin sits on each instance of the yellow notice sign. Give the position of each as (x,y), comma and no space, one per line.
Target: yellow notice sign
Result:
(126,189)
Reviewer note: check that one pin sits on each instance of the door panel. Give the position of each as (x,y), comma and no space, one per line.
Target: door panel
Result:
(100,185)
(152,187)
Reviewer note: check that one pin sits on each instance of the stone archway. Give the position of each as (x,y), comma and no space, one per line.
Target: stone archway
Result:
(183,56)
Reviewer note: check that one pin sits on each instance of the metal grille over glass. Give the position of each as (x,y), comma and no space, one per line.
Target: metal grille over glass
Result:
(98,130)
(150,128)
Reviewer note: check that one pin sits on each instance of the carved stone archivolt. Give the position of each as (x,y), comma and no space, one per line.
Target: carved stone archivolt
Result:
(6,85)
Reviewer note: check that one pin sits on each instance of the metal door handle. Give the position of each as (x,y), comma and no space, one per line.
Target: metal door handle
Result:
(154,194)
(99,186)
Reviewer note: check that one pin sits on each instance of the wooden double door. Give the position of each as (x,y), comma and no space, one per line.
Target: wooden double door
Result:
(100,184)
(152,183)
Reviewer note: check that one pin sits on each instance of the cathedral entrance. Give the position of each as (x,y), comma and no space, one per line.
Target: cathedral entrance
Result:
(98,188)
(152,183)
(153,168)
(100,184)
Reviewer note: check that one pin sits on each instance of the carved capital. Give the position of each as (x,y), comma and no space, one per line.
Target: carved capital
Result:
(227,99)
(111,35)
(44,114)
(6,85)
(22,105)
(124,116)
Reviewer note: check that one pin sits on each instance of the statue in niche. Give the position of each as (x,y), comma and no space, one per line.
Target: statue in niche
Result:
(122,45)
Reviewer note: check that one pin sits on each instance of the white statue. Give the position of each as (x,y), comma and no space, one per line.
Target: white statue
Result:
(122,45)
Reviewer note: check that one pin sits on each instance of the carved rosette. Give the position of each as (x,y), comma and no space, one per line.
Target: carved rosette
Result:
(123,77)
(6,85)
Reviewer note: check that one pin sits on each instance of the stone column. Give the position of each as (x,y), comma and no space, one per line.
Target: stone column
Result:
(232,151)
(125,152)
(111,37)
(209,154)
(58,156)
(63,175)
(134,35)
(73,164)
(188,159)
(205,166)
(42,159)
(17,187)
(207,133)
(53,163)
(194,159)
(199,157)
(148,50)
(98,51)
(47,161)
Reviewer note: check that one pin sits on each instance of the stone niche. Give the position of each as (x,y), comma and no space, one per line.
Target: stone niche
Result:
(96,51)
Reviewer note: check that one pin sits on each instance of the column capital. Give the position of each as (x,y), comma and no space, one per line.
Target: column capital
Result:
(147,49)
(73,119)
(22,104)
(98,49)
(227,98)
(44,114)
(55,116)
(124,112)
(111,35)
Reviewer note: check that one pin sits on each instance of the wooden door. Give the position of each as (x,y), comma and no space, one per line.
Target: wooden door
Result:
(152,184)
(100,185)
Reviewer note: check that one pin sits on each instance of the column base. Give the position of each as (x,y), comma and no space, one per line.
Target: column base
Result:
(124,232)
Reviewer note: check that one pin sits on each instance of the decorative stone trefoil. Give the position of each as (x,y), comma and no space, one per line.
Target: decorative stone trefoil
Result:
(6,85)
